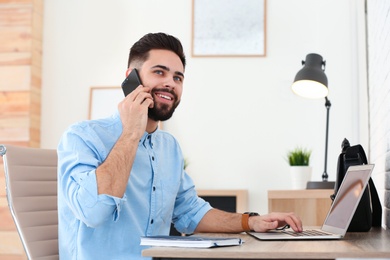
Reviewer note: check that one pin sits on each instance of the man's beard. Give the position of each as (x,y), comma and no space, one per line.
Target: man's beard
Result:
(162,112)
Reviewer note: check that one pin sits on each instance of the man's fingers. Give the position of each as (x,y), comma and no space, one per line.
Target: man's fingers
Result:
(271,225)
(275,220)
(294,222)
(148,102)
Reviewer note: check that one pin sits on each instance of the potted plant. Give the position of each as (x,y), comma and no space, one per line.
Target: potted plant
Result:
(299,157)
(300,171)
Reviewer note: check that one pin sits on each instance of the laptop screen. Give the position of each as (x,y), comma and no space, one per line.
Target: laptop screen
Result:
(348,197)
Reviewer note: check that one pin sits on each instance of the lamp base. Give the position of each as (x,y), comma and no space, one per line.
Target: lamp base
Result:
(320,185)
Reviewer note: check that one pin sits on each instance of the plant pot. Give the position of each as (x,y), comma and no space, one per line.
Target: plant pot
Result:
(300,175)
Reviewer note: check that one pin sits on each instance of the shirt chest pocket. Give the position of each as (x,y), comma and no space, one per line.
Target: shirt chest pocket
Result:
(165,198)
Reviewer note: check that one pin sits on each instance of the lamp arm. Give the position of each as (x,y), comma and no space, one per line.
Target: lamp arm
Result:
(327,106)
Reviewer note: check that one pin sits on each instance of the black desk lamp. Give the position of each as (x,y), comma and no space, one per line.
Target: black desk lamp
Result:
(311,82)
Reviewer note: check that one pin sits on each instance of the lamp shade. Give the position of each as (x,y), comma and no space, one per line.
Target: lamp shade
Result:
(311,81)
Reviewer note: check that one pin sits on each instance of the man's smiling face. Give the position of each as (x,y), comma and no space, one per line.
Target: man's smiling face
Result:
(163,72)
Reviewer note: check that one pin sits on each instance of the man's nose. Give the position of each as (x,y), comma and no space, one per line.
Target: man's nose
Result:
(169,83)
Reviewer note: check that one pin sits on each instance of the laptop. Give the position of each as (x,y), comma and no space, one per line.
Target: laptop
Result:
(340,213)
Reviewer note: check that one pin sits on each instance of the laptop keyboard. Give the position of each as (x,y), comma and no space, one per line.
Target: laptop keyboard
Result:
(307,233)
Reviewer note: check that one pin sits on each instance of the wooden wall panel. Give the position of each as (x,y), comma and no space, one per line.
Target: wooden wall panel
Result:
(10,244)
(2,179)
(15,15)
(15,78)
(15,58)
(18,2)
(14,129)
(36,73)
(21,23)
(14,103)
(15,39)
(6,224)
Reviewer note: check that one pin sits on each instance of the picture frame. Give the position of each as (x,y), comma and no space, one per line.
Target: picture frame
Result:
(103,101)
(222,28)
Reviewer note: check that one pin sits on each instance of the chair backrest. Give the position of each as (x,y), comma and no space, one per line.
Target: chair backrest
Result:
(31,186)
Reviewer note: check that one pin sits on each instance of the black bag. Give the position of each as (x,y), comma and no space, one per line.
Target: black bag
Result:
(369,211)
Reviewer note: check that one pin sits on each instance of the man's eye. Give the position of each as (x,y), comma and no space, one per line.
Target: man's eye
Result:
(159,72)
(177,78)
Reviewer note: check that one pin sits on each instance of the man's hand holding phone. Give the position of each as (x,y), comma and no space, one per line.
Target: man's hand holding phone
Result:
(133,109)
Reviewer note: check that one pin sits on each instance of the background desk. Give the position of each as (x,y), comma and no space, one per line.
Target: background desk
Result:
(373,244)
(311,206)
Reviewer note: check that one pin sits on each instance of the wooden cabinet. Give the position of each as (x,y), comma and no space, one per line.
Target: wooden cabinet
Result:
(311,206)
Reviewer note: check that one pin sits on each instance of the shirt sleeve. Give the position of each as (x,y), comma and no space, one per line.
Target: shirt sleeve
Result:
(189,208)
(77,185)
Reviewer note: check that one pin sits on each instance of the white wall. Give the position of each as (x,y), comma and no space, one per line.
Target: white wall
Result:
(238,116)
(379,93)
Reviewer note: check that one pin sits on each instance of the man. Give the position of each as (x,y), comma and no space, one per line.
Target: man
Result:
(121,177)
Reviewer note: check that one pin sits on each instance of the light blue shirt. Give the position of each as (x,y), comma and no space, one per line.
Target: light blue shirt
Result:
(158,192)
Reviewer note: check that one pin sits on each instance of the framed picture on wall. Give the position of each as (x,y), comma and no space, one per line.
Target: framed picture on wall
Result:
(228,28)
(103,101)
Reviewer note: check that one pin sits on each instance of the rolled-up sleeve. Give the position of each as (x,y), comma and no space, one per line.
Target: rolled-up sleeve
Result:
(87,205)
(77,163)
(189,208)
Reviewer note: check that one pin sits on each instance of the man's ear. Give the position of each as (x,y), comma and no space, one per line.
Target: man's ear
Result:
(128,71)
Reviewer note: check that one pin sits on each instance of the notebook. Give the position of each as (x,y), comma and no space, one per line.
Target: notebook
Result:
(196,241)
(340,213)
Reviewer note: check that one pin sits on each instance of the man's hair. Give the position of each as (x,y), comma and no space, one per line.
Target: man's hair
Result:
(139,52)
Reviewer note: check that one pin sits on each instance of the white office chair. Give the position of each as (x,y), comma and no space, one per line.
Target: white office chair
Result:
(31,186)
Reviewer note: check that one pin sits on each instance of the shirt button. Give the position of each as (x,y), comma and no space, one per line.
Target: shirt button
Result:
(151,222)
(154,188)
(152,158)
(149,137)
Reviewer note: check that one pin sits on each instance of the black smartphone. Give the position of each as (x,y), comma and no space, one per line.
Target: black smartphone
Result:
(131,82)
